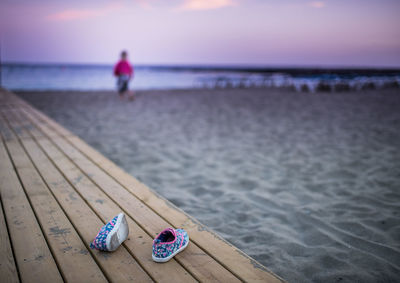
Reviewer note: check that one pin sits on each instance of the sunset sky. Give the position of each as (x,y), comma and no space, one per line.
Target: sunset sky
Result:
(216,32)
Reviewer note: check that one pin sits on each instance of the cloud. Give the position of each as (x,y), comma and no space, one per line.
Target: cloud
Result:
(79,14)
(68,15)
(317,4)
(196,5)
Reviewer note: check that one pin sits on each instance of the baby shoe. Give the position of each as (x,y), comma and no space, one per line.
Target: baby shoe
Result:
(169,243)
(112,234)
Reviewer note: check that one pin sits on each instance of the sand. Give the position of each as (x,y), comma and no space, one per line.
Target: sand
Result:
(307,184)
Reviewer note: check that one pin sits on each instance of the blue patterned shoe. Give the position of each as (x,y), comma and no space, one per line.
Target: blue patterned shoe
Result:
(112,234)
(169,243)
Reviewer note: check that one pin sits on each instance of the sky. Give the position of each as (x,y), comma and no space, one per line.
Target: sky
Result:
(342,33)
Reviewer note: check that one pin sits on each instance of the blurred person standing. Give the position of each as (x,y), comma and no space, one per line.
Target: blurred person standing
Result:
(123,70)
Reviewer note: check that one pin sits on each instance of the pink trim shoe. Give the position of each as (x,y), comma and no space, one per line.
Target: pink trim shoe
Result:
(169,243)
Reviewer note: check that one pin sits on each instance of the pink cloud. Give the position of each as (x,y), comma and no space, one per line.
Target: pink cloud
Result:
(317,4)
(75,14)
(205,4)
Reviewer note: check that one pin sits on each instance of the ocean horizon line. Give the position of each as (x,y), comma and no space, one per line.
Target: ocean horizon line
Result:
(291,69)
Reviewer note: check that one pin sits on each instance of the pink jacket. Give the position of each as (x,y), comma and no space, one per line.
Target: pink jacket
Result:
(123,68)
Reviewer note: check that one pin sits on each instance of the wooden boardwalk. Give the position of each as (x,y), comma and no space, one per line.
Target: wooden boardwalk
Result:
(55,194)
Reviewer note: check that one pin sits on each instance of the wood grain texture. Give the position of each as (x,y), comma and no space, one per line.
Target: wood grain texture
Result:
(34,259)
(72,256)
(8,270)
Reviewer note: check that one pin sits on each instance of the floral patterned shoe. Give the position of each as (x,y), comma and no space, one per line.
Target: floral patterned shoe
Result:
(112,234)
(169,243)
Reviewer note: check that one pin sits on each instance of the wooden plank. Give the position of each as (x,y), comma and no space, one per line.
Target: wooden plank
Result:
(17,128)
(34,260)
(5,131)
(88,223)
(8,270)
(73,258)
(25,125)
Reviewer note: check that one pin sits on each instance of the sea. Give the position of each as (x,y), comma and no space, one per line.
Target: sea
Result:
(79,77)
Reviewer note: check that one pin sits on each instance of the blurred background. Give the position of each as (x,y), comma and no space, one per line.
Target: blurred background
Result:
(274,122)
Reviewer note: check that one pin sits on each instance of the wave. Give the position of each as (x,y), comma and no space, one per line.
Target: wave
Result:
(301,84)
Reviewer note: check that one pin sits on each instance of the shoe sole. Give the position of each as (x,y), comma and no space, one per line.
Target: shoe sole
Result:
(119,234)
(159,259)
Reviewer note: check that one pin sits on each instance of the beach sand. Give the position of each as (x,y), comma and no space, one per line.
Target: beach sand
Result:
(306,183)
